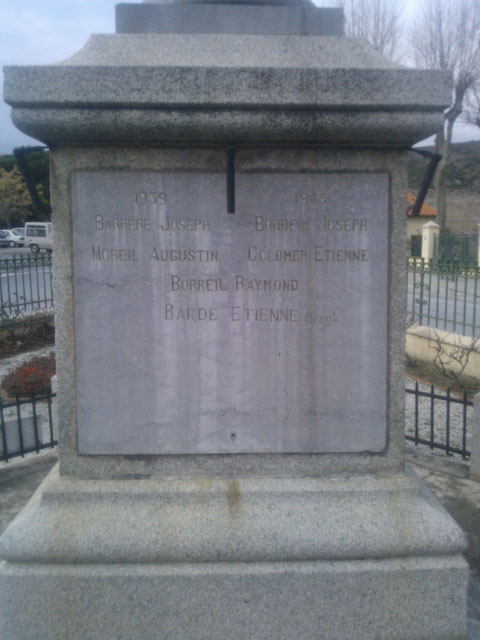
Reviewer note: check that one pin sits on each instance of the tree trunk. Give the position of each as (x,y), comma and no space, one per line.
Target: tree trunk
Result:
(443,141)
(442,148)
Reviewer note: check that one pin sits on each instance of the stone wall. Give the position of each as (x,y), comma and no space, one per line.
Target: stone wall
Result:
(463,211)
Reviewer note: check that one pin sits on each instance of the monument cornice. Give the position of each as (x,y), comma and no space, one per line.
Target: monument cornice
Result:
(297,89)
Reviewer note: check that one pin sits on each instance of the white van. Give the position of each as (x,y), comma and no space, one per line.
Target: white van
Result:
(38,235)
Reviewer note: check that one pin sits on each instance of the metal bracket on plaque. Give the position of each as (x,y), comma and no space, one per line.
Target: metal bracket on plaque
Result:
(427,178)
(230,151)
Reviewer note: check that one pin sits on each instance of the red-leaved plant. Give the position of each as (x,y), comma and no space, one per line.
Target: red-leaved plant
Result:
(31,377)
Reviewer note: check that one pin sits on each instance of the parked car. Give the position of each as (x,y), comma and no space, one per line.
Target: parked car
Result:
(38,235)
(15,239)
(4,241)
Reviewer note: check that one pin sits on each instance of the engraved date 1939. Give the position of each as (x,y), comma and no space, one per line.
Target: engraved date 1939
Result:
(149,197)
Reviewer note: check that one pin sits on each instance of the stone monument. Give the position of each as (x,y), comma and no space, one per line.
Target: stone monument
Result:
(228,186)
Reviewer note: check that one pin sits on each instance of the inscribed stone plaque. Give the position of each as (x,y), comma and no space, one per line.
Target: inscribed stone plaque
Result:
(203,332)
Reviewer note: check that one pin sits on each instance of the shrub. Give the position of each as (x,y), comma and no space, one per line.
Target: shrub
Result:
(31,377)
(23,334)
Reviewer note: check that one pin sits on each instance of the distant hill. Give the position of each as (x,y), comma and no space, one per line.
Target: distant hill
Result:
(463,170)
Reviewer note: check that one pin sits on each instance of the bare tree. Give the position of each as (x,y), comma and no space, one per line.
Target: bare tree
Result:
(452,359)
(379,21)
(471,113)
(446,35)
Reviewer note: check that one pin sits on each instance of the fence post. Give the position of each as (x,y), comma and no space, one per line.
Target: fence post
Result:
(475,446)
(429,231)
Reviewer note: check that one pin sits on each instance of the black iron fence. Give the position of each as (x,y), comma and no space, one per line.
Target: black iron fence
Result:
(26,426)
(25,284)
(438,419)
(444,296)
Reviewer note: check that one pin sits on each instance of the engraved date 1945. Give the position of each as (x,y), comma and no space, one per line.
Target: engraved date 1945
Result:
(313,197)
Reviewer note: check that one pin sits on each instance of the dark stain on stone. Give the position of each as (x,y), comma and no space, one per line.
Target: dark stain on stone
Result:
(234,498)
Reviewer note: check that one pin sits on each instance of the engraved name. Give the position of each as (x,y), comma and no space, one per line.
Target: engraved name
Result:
(327,224)
(197,284)
(122,224)
(184,255)
(113,255)
(277,255)
(318,254)
(343,224)
(245,284)
(263,315)
(247,314)
(340,255)
(240,283)
(190,224)
(282,224)
(196,314)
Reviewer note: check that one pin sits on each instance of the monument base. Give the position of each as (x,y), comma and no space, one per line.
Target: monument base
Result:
(228,559)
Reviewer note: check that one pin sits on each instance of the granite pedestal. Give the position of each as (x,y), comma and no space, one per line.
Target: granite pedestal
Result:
(230,344)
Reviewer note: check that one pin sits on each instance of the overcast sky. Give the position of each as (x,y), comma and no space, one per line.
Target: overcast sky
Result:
(47,31)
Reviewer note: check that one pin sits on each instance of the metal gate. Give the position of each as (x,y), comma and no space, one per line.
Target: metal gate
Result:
(456,248)
(416,246)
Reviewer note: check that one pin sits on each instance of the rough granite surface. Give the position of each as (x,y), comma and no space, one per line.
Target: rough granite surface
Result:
(153,88)
(400,599)
(230,520)
(136,559)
